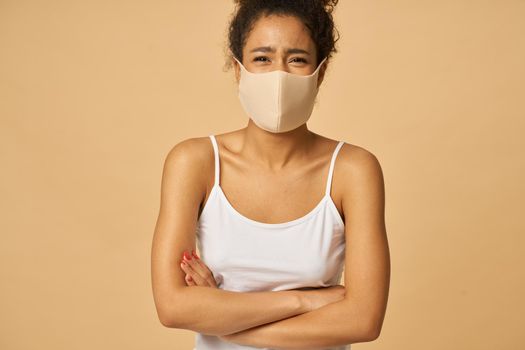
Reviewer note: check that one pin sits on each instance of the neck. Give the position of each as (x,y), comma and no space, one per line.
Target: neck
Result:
(275,151)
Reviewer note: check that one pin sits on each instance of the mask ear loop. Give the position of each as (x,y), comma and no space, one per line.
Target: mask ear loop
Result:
(318,68)
(239,62)
(240,65)
(320,64)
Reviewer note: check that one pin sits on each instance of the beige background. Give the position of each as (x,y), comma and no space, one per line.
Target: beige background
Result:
(93,94)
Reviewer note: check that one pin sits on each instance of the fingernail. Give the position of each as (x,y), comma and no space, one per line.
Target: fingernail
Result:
(194,254)
(187,256)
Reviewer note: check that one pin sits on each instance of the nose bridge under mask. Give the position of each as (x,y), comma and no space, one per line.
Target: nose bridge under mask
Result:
(281,81)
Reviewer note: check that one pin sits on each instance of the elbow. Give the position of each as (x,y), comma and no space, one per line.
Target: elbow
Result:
(165,317)
(372,334)
(373,331)
(165,321)
(169,320)
(169,309)
(168,315)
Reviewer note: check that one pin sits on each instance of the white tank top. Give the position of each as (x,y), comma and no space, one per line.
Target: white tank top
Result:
(246,255)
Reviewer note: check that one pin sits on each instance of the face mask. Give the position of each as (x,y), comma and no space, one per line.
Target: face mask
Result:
(278,101)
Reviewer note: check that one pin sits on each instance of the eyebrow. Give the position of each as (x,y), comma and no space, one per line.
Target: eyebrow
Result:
(271,49)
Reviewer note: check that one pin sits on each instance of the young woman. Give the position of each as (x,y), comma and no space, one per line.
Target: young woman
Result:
(276,219)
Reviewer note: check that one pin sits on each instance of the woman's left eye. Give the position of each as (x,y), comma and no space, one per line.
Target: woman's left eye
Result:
(299,59)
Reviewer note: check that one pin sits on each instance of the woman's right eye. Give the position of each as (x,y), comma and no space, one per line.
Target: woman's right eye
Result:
(260,58)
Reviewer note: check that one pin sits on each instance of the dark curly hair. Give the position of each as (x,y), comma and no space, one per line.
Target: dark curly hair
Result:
(315,14)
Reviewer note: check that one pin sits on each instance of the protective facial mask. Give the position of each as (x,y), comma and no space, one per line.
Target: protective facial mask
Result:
(278,101)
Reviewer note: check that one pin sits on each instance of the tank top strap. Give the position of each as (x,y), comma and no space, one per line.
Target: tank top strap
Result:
(331,171)
(216,154)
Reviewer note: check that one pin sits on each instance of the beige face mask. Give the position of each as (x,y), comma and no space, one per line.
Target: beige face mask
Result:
(278,101)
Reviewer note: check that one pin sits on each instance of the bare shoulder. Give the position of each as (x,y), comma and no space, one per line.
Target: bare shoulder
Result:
(191,151)
(354,159)
(187,167)
(361,171)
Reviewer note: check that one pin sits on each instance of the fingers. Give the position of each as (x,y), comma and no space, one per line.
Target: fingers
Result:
(189,280)
(190,272)
(200,273)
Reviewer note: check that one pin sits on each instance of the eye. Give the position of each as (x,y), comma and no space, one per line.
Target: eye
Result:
(299,59)
(260,59)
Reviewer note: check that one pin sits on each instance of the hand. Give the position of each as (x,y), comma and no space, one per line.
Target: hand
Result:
(316,298)
(197,273)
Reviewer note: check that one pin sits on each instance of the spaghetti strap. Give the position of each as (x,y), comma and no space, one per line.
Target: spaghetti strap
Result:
(216,154)
(331,171)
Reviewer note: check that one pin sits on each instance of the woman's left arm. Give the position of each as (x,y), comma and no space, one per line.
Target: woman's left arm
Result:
(359,317)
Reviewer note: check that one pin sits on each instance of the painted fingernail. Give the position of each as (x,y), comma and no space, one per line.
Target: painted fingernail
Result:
(187,256)
(194,254)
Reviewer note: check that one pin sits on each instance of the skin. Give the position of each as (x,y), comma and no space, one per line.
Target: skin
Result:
(267,165)
(280,43)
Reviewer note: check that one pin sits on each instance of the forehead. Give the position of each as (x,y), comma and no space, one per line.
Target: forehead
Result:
(279,31)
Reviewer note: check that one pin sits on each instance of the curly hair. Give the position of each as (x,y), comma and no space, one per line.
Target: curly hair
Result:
(315,14)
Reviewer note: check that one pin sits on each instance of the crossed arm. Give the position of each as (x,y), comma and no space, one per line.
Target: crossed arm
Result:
(290,319)
(335,324)
(246,319)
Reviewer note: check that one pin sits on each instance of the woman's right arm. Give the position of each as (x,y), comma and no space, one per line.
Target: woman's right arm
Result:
(201,309)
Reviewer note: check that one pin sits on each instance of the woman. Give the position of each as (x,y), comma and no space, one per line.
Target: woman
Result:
(274,216)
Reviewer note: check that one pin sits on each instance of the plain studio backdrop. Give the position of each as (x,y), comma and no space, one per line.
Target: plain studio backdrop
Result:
(93,94)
